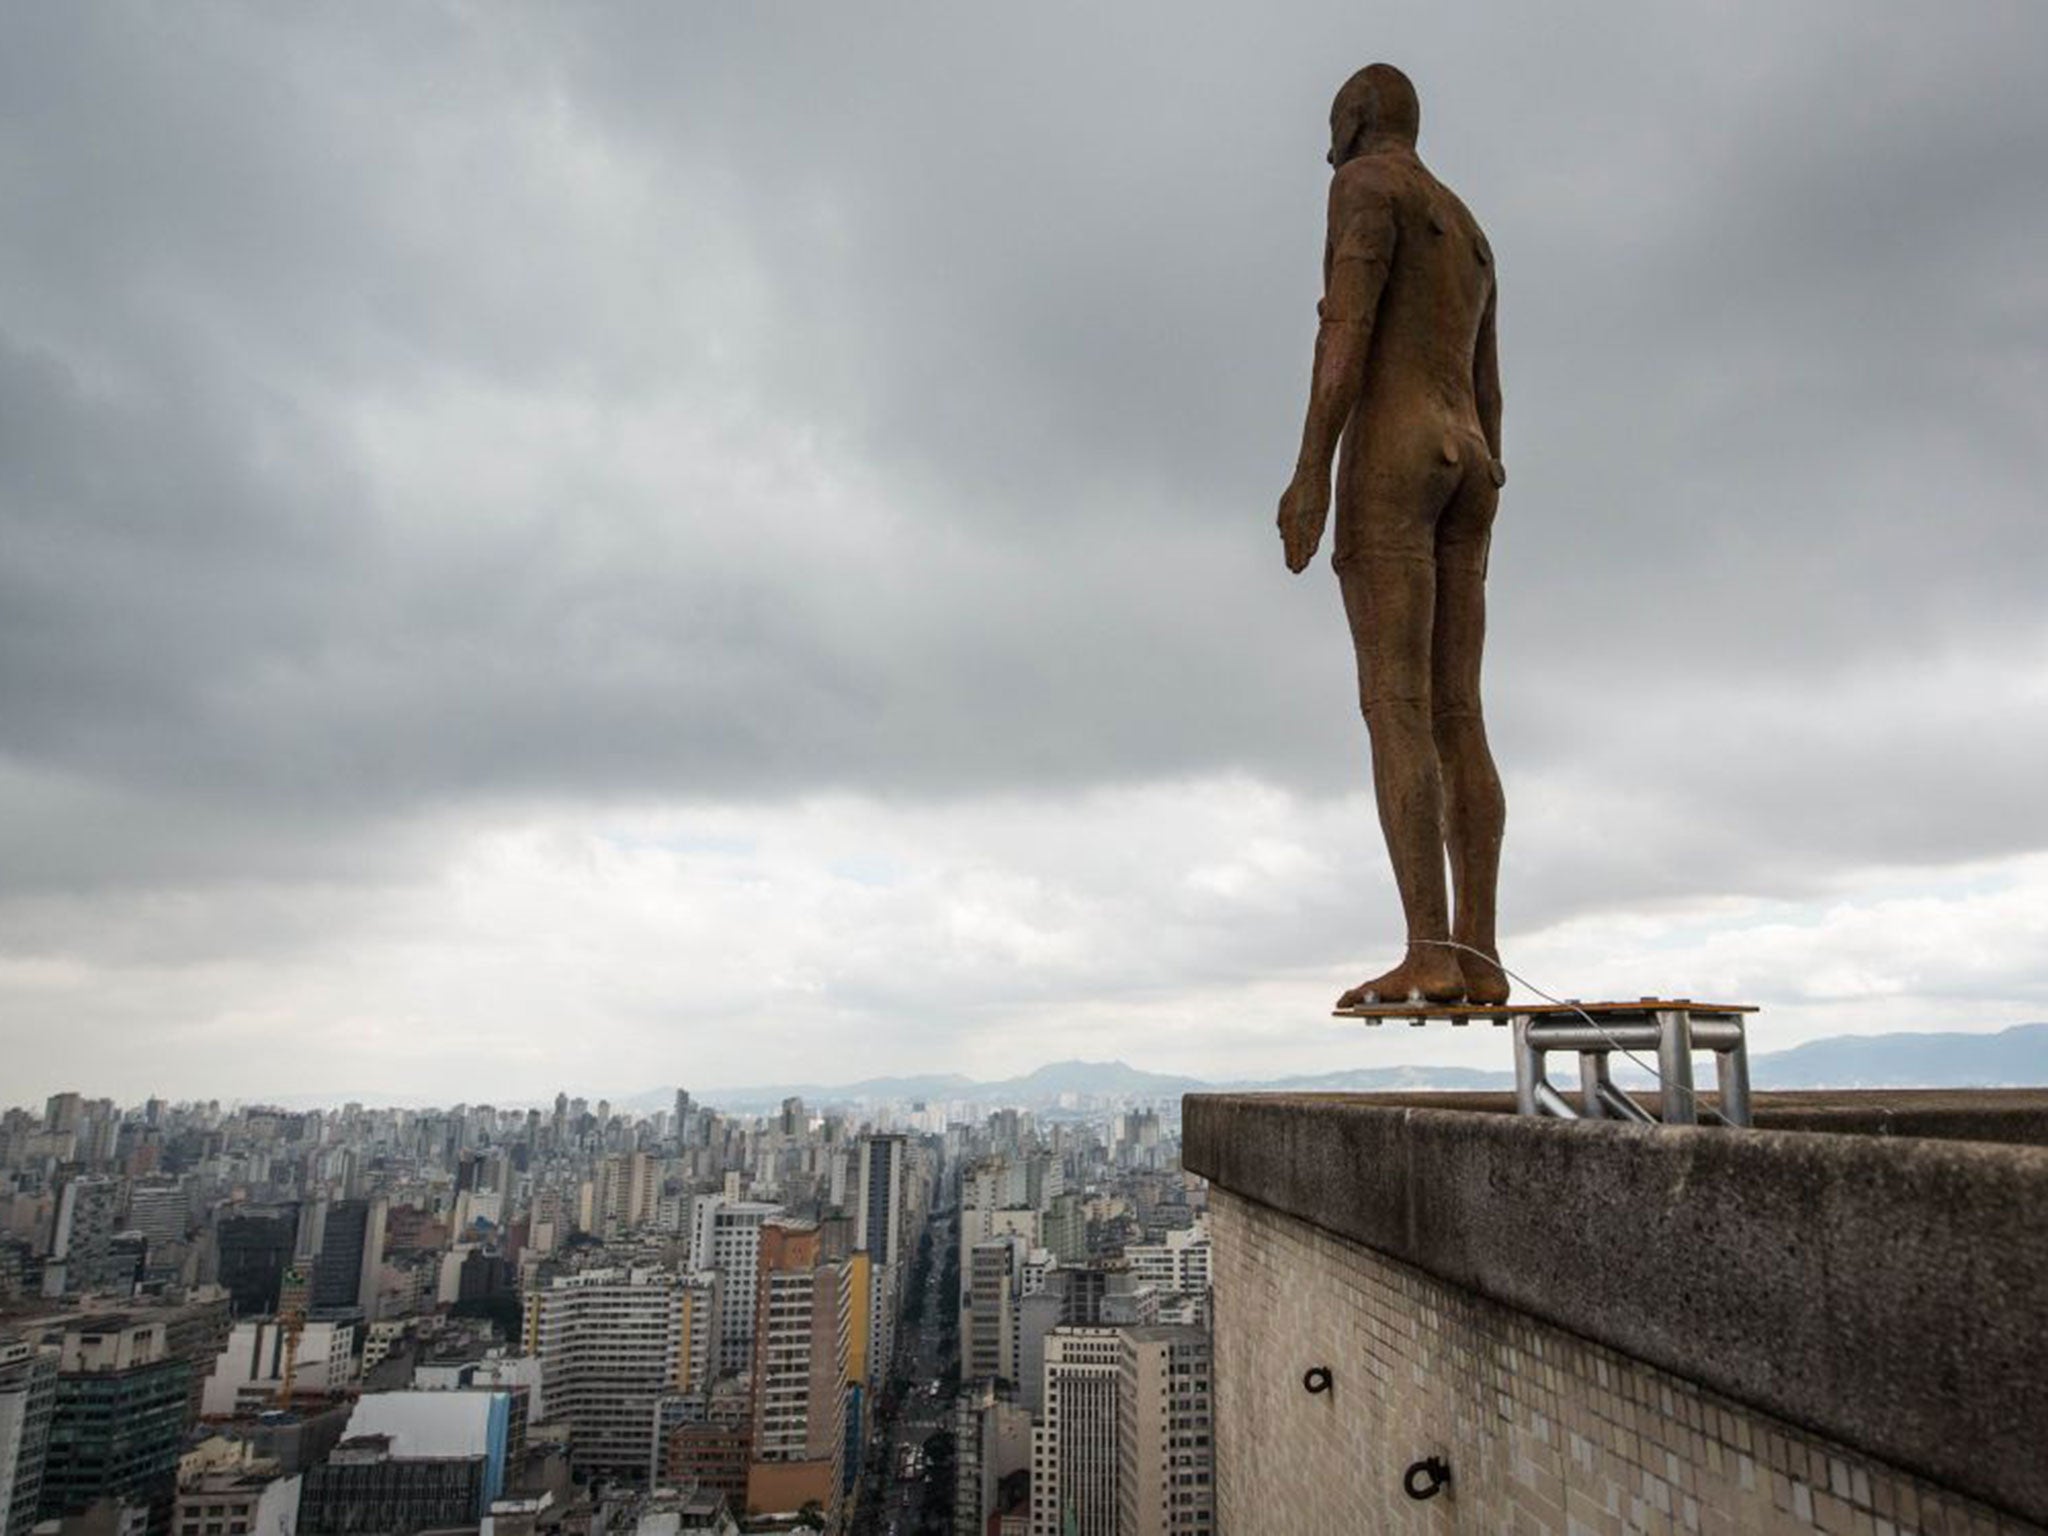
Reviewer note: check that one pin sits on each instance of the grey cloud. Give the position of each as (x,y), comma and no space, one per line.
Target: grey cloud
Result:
(1033,293)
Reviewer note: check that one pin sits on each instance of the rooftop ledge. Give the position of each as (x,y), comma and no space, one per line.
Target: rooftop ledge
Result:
(1872,1266)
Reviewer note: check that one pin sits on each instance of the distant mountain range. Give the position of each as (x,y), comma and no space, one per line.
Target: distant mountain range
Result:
(2010,1058)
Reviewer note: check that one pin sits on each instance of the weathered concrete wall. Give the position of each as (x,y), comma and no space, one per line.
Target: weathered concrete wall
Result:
(1882,1292)
(1543,1431)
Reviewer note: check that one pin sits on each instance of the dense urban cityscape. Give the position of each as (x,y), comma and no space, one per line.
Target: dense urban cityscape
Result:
(874,1318)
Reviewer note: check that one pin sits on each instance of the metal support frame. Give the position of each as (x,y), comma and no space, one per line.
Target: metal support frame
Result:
(1673,1033)
(1668,1031)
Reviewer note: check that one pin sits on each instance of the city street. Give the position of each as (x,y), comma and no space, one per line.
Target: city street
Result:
(925,1352)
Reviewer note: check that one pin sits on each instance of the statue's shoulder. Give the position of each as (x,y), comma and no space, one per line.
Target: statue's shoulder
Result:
(1368,180)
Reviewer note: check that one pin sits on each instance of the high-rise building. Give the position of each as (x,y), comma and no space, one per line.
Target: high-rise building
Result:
(83,1260)
(1178,1262)
(28,1398)
(626,1188)
(881,1223)
(345,1273)
(801,1336)
(118,1419)
(727,1237)
(992,1440)
(1166,1476)
(1065,1228)
(253,1248)
(613,1345)
(1074,1461)
(878,1189)
(161,1210)
(989,1340)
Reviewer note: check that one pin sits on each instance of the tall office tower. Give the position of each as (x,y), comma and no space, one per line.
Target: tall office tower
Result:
(878,1207)
(989,1340)
(802,1326)
(1044,1178)
(253,1248)
(628,1185)
(1037,1315)
(612,1344)
(82,1257)
(795,1119)
(992,1439)
(118,1421)
(62,1112)
(28,1398)
(1065,1228)
(727,1237)
(881,1223)
(1074,1446)
(1166,1476)
(351,1253)
(161,1210)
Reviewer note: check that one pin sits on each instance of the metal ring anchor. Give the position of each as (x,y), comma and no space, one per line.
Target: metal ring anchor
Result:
(1316,1378)
(1435,1470)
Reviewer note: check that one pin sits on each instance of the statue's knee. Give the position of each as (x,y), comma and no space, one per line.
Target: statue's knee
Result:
(1395,709)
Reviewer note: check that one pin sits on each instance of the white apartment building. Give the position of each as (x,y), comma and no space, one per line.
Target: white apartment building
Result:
(251,1368)
(726,1236)
(1074,1461)
(1166,1474)
(612,1344)
(1179,1263)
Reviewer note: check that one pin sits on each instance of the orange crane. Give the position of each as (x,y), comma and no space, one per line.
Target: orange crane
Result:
(291,1320)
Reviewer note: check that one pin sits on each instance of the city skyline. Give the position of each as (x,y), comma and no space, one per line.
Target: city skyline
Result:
(715,551)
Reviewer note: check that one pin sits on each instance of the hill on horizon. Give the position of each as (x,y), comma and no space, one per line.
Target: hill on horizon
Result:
(2015,1057)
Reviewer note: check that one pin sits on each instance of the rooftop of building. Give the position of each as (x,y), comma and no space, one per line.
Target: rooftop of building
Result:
(1872,1265)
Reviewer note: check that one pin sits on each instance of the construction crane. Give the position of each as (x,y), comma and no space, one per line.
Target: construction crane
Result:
(291,1322)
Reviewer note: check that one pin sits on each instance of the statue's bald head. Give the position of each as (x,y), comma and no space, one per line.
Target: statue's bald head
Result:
(1376,109)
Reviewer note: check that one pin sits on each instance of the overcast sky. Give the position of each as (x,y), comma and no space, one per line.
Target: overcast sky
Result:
(597,547)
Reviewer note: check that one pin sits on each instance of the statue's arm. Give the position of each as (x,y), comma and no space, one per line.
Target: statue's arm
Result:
(1486,381)
(1360,253)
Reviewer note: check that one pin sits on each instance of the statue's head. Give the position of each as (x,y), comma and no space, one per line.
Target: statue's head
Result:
(1375,110)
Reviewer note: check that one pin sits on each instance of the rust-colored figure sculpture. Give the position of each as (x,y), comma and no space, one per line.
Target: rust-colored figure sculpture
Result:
(1405,375)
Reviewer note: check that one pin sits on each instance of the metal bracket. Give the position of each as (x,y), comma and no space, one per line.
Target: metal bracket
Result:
(1672,1030)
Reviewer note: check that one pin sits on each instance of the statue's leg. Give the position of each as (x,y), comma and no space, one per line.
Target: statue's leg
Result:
(1475,811)
(1389,588)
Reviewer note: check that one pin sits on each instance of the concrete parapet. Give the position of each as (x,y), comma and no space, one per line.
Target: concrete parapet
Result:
(1888,1291)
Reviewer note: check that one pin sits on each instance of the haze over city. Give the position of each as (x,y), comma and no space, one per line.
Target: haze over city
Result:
(604,548)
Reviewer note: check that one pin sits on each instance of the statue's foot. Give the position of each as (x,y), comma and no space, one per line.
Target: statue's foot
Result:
(1426,976)
(1486,984)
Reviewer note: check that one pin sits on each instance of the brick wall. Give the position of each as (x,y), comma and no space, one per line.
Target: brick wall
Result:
(1544,1432)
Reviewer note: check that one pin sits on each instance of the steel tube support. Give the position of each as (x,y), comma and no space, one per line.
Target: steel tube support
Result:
(1622,1107)
(1577,1035)
(1551,1102)
(1592,1073)
(1731,1073)
(1674,1066)
(1528,1067)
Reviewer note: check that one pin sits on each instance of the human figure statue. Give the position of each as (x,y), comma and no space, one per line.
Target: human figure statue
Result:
(1407,385)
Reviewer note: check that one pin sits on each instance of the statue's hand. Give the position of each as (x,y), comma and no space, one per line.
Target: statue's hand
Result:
(1303,511)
